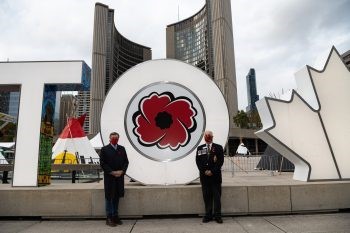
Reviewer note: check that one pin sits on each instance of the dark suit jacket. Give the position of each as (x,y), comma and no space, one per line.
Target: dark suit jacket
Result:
(113,160)
(206,161)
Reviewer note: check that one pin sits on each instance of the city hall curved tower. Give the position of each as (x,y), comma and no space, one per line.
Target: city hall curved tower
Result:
(112,55)
(206,41)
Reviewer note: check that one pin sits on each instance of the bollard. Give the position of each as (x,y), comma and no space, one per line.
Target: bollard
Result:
(5,177)
(271,171)
(74,173)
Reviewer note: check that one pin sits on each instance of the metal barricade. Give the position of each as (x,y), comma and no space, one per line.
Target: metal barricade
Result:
(86,170)
(256,165)
(77,169)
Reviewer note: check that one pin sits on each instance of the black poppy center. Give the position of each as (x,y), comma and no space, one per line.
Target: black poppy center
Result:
(163,120)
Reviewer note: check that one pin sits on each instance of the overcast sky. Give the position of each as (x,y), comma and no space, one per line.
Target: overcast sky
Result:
(276,37)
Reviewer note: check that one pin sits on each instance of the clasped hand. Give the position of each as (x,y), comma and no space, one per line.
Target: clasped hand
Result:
(117,173)
(208,173)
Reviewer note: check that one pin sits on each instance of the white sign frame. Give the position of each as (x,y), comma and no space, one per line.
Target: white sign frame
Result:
(141,168)
(31,77)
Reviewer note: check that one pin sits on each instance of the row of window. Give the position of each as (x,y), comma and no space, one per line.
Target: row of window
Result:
(194,20)
(126,54)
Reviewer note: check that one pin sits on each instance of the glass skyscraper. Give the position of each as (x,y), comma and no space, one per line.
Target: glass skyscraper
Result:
(205,40)
(9,100)
(251,90)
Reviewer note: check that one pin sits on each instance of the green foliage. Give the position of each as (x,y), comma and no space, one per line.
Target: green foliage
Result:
(241,119)
(8,133)
(249,120)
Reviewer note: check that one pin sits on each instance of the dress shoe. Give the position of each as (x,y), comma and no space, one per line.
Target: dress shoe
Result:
(206,219)
(117,220)
(110,222)
(219,220)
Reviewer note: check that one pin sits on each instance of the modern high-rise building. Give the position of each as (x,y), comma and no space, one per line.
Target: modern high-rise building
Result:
(4,102)
(346,58)
(251,90)
(9,100)
(68,108)
(206,41)
(14,103)
(112,55)
(83,100)
(56,115)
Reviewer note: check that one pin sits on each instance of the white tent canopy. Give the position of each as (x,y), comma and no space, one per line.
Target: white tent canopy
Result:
(73,144)
(96,141)
(242,150)
(2,158)
(7,144)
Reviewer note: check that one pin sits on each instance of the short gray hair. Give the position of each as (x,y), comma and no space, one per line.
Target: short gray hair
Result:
(208,132)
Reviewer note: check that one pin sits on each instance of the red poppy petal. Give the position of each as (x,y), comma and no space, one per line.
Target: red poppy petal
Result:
(152,105)
(181,109)
(148,133)
(175,136)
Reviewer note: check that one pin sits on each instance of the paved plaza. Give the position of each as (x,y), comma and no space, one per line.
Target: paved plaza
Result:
(331,222)
(299,223)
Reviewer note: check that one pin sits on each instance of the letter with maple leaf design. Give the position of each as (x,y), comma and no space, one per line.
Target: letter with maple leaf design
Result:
(312,129)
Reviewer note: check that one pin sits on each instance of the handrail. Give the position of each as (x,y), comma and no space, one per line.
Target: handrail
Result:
(71,167)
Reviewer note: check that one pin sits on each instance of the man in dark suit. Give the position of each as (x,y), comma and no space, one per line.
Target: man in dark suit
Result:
(209,159)
(114,162)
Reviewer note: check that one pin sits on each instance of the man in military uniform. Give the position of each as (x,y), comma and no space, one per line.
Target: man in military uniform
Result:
(209,159)
(114,162)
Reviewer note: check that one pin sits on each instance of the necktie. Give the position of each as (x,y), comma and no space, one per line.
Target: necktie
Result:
(208,153)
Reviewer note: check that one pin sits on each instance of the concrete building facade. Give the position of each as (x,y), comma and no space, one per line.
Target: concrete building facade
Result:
(112,55)
(83,102)
(206,41)
(68,106)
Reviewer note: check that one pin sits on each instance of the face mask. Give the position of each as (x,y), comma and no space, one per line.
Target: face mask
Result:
(114,141)
(208,138)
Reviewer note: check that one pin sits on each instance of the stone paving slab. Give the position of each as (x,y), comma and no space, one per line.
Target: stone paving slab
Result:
(190,225)
(337,222)
(257,225)
(301,223)
(16,226)
(64,226)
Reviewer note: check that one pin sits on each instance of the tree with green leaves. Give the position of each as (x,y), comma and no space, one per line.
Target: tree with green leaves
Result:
(241,119)
(8,133)
(249,120)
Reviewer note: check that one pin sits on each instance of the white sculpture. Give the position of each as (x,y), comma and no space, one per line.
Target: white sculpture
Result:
(32,76)
(312,129)
(161,109)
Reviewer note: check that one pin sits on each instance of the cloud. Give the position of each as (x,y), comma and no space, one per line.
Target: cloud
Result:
(278,38)
(275,37)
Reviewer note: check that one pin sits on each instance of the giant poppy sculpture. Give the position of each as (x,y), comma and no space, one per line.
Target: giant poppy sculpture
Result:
(161,115)
(164,121)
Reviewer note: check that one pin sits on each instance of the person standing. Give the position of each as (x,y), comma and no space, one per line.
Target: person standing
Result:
(209,160)
(114,162)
